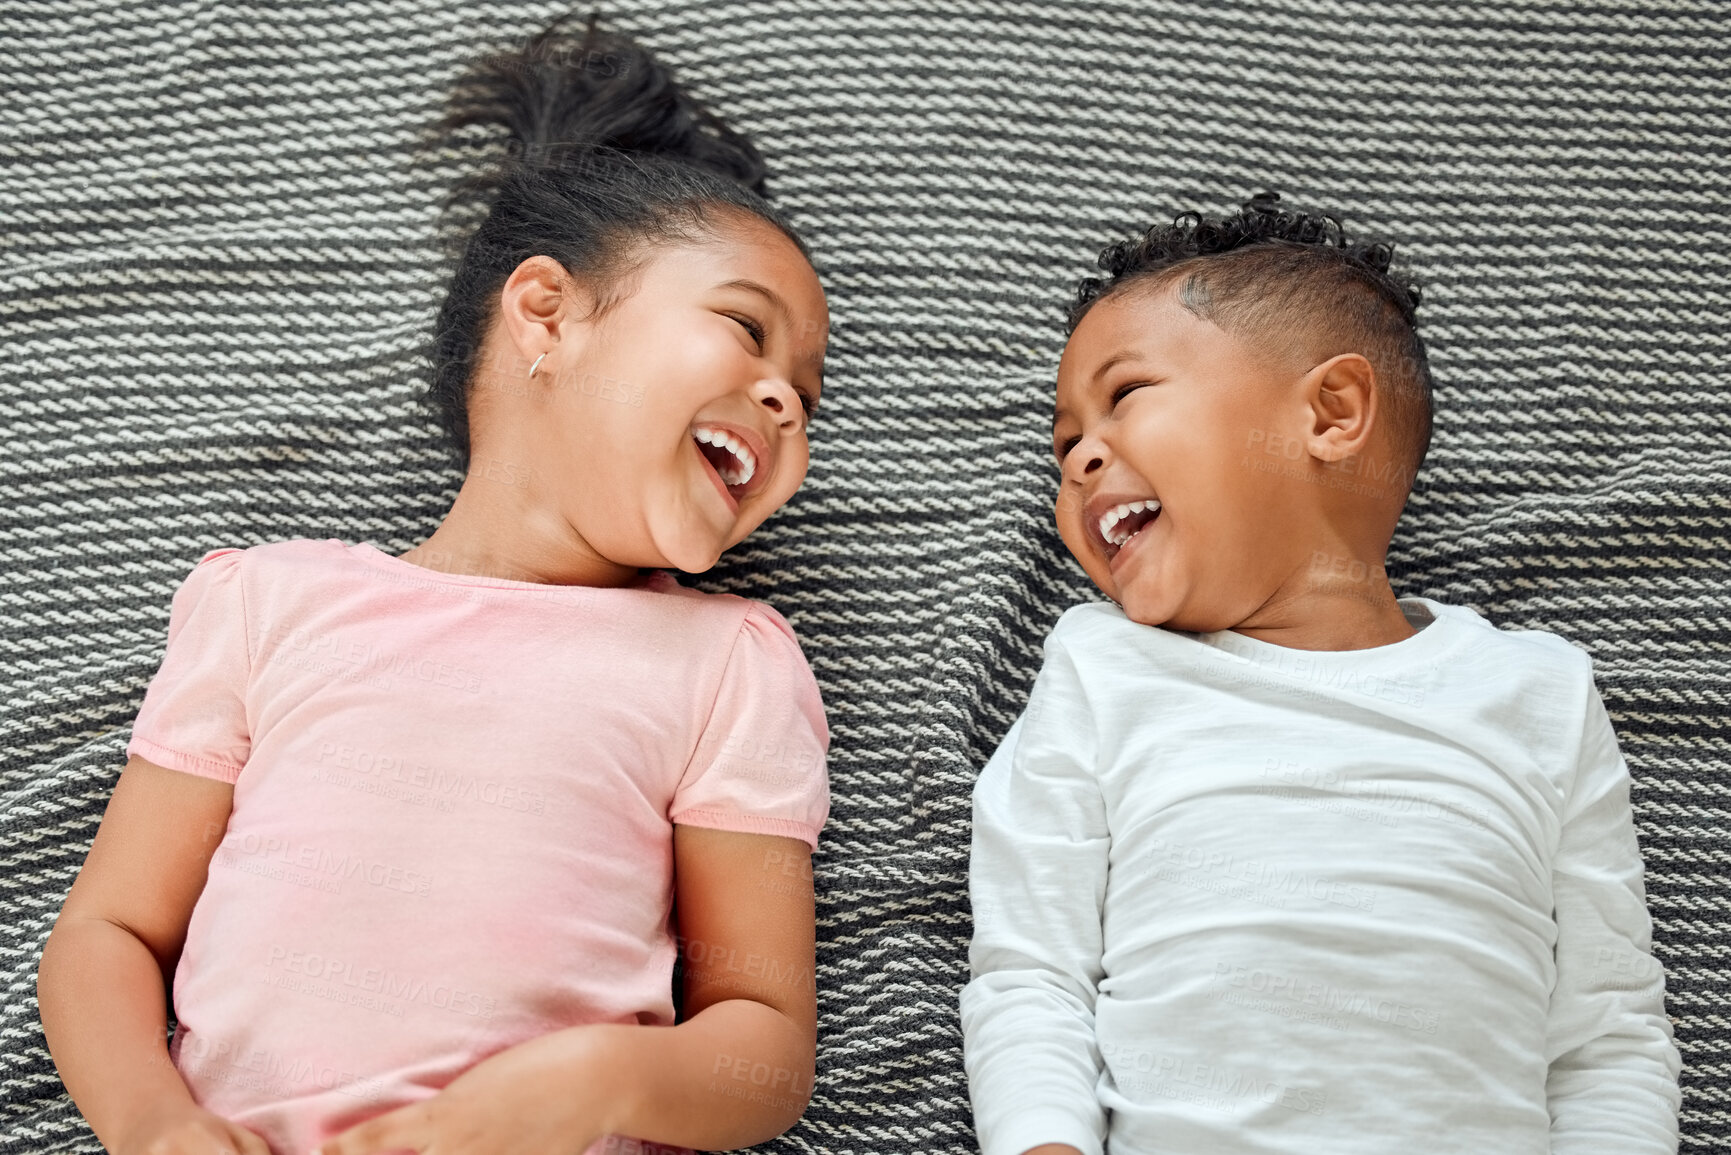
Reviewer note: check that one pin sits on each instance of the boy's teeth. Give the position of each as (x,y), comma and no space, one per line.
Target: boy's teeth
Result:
(747,463)
(1110,519)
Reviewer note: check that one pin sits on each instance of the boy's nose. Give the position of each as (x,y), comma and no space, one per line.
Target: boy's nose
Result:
(1089,452)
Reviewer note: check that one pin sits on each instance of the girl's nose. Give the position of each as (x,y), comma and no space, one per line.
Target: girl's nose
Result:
(780,399)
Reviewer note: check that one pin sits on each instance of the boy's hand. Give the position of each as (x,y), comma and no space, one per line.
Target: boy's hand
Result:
(186,1129)
(531,1099)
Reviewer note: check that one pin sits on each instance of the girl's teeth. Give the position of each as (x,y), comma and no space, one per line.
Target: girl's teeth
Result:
(747,463)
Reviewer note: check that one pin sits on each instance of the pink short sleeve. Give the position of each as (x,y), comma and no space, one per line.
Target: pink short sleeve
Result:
(759,767)
(194,713)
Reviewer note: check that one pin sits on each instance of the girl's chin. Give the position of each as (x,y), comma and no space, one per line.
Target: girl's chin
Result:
(693,560)
(691,549)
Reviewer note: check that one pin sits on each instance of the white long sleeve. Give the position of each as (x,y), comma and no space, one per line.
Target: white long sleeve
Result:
(1037,879)
(1231,896)
(1612,1088)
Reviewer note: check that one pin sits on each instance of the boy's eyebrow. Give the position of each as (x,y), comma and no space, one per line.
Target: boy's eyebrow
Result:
(775,301)
(1115,359)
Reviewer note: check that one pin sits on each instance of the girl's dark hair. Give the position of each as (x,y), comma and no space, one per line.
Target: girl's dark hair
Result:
(605,152)
(1275,275)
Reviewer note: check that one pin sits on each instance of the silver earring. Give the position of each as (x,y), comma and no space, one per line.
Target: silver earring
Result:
(536,365)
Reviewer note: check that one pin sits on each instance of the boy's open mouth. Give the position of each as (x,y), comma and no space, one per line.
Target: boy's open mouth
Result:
(1124,521)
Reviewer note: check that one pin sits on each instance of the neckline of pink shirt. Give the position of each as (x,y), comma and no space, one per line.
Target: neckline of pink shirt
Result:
(653,581)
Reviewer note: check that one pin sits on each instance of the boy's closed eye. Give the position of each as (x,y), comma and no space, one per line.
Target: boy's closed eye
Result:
(1117,395)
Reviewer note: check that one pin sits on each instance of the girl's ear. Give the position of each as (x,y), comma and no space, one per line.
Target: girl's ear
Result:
(542,305)
(1342,397)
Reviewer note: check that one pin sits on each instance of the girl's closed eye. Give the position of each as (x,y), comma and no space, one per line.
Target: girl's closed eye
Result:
(760,335)
(757,331)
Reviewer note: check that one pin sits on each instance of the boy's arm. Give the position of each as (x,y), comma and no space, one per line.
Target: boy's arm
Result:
(1037,880)
(1613,1065)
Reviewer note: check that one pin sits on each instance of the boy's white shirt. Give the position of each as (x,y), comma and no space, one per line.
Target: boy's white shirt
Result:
(1232,896)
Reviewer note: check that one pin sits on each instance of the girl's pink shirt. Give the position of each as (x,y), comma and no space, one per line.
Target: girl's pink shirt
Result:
(454,800)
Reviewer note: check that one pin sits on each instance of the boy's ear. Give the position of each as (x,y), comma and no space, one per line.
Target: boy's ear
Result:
(1342,396)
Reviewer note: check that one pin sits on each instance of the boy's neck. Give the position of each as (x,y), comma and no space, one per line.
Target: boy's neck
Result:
(1358,617)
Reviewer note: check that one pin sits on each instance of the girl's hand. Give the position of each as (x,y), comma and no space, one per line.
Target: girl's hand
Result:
(187,1129)
(537,1098)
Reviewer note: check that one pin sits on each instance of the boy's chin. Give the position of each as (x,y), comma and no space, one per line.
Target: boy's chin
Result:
(1143,601)
(1151,602)
(1146,613)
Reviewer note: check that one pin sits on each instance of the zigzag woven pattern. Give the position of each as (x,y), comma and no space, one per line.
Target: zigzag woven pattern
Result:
(218,258)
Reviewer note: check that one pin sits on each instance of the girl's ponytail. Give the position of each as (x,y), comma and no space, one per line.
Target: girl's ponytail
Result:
(604,149)
(563,98)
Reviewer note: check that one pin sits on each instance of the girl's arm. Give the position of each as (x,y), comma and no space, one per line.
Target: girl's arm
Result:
(737,1071)
(101,986)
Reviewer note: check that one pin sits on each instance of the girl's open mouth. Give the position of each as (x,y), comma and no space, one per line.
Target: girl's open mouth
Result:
(729,461)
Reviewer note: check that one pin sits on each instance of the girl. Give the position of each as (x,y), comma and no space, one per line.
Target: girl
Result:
(409,832)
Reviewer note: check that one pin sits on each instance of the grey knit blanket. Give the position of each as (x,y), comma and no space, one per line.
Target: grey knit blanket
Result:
(218,258)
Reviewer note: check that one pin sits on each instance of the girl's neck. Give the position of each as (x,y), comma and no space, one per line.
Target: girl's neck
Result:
(489,539)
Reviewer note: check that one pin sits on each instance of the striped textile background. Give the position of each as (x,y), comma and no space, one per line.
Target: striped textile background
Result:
(217,258)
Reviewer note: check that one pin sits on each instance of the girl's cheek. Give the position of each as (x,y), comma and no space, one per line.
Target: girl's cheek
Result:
(709,360)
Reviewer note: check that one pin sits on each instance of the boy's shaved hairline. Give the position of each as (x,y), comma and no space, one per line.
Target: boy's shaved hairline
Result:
(1268,270)
(1253,307)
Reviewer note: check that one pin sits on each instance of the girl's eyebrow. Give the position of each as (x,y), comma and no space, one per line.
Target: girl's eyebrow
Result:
(779,305)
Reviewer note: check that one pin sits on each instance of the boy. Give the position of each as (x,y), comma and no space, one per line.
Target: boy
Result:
(1274,861)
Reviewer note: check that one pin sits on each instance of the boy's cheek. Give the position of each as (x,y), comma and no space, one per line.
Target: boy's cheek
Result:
(1069,517)
(1065,516)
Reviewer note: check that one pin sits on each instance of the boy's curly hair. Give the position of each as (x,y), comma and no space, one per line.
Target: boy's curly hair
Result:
(1282,279)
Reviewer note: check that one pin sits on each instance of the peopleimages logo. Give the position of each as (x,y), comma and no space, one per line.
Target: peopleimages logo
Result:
(1258,881)
(1212,1085)
(409,780)
(1274,988)
(274,1073)
(1385,804)
(240,848)
(379,981)
(772,760)
(1293,669)
(359,660)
